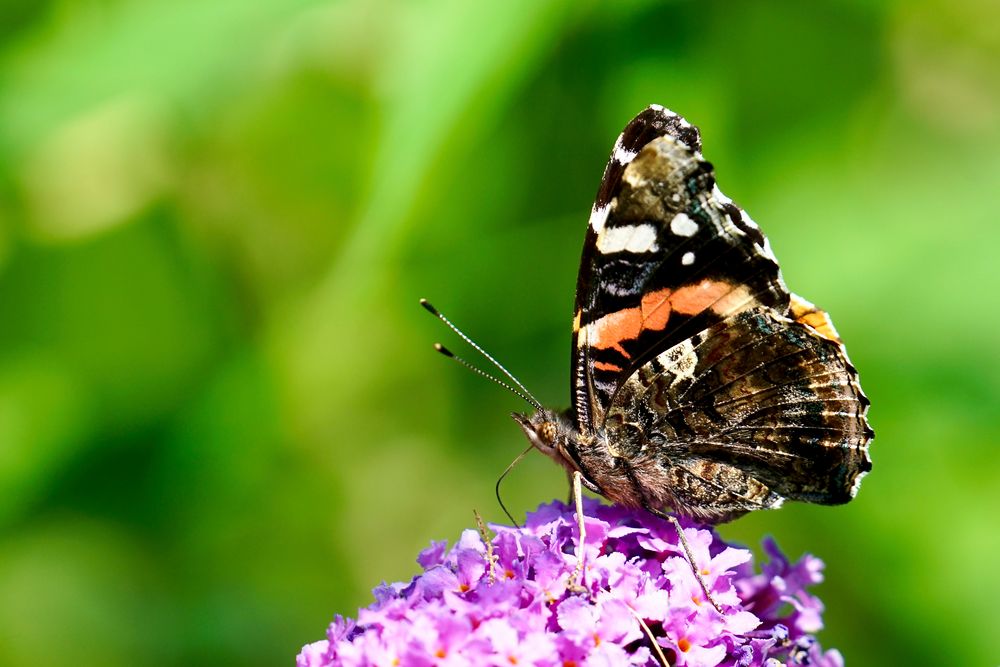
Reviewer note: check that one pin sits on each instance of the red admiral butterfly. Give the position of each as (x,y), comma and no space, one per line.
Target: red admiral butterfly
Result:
(699,383)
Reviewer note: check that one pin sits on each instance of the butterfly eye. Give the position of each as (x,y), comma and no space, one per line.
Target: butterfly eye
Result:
(547,431)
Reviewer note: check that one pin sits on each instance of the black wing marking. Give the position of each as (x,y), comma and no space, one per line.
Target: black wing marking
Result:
(666,255)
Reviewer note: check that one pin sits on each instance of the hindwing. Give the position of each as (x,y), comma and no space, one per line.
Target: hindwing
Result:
(752,410)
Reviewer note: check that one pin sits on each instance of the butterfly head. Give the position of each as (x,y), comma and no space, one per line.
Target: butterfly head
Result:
(549,432)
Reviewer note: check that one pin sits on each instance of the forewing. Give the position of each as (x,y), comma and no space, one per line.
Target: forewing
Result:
(754,409)
(666,255)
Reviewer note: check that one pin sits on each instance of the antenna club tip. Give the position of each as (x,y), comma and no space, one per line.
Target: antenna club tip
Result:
(443,350)
(427,306)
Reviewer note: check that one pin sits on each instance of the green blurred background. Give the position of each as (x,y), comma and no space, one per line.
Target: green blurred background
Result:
(221,420)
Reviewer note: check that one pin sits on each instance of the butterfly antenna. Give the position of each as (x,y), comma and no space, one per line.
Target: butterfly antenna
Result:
(524,393)
(478,371)
(504,474)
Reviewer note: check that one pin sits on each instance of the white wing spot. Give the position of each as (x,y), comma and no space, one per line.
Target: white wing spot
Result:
(719,197)
(598,216)
(622,155)
(687,259)
(857,483)
(630,238)
(683,225)
(680,361)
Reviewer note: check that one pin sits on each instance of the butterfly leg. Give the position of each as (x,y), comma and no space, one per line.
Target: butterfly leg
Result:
(570,481)
(576,579)
(689,557)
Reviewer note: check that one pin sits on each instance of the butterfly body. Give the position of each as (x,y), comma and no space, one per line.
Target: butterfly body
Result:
(700,384)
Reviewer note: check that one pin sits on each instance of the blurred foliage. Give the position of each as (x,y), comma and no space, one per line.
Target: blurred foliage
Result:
(221,421)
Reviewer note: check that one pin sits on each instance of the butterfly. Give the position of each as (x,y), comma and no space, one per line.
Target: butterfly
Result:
(700,385)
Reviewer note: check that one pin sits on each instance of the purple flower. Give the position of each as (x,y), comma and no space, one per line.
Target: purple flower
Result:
(521,600)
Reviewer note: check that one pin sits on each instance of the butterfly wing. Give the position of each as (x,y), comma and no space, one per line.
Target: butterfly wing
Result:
(666,255)
(715,390)
(755,409)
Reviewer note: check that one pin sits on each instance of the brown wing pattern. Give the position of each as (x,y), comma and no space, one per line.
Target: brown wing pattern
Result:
(752,410)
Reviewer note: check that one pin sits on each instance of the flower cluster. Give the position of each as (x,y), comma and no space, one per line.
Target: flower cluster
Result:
(522,600)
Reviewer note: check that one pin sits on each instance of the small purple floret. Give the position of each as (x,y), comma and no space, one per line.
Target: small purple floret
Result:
(527,608)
